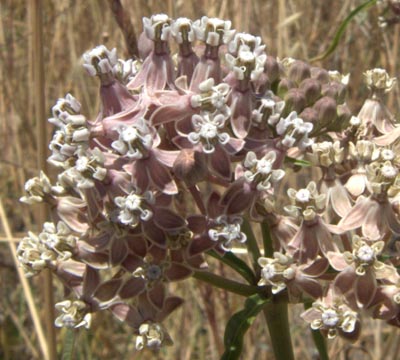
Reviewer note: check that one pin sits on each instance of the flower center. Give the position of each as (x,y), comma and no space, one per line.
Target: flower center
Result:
(365,253)
(264,166)
(129,134)
(82,164)
(269,271)
(303,196)
(208,131)
(153,272)
(330,317)
(133,202)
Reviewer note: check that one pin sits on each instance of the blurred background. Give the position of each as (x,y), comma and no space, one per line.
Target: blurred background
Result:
(302,29)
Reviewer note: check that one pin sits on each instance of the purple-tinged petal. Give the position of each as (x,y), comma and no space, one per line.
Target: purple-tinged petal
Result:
(197,223)
(309,286)
(234,146)
(136,244)
(177,272)
(214,209)
(128,314)
(166,157)
(168,220)
(154,233)
(161,177)
(340,200)
(133,287)
(336,260)
(365,289)
(70,210)
(175,111)
(316,268)
(391,219)
(345,280)
(132,262)
(355,218)
(108,290)
(241,113)
(156,296)
(199,245)
(90,281)
(118,251)
(171,304)
(372,225)
(220,163)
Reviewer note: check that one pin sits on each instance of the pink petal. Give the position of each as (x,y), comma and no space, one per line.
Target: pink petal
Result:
(168,220)
(90,281)
(220,162)
(309,286)
(316,268)
(161,177)
(336,260)
(340,200)
(356,184)
(345,280)
(118,251)
(365,289)
(356,216)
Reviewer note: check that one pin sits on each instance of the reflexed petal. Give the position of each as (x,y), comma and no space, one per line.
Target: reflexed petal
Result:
(168,220)
(133,287)
(107,290)
(177,272)
(365,289)
(220,162)
(157,296)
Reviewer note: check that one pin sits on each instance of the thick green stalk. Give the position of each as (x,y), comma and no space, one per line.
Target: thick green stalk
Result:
(223,283)
(276,314)
(267,240)
(252,245)
(319,340)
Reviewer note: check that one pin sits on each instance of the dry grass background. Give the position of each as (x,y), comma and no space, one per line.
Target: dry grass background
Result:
(296,28)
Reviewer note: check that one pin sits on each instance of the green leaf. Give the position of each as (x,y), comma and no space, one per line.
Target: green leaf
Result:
(342,28)
(297,162)
(235,263)
(239,323)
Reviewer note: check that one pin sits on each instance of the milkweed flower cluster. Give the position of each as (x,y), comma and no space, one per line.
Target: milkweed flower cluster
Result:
(227,125)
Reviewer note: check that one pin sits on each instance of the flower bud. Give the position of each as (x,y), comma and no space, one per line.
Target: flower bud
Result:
(309,114)
(295,100)
(272,69)
(190,166)
(284,86)
(299,71)
(319,74)
(326,109)
(335,90)
(312,90)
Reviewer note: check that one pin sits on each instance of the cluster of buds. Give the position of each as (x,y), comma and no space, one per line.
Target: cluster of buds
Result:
(224,124)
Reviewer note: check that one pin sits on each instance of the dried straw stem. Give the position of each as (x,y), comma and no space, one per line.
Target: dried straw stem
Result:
(25,286)
(126,26)
(38,71)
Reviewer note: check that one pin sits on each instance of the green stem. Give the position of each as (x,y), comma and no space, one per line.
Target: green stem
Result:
(276,314)
(252,245)
(223,283)
(267,240)
(236,264)
(319,340)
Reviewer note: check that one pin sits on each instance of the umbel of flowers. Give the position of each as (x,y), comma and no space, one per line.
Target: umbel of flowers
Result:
(225,127)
